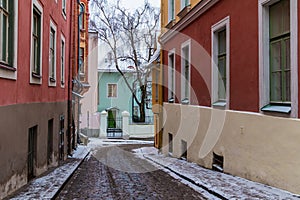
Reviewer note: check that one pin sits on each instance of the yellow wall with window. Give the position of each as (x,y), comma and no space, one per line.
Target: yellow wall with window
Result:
(165,8)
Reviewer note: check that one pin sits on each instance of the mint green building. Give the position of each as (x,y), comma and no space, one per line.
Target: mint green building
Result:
(114,95)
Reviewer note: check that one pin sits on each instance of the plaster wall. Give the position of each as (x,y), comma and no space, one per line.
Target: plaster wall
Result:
(255,146)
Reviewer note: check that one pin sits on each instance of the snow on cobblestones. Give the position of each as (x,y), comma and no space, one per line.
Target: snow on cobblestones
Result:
(47,186)
(228,186)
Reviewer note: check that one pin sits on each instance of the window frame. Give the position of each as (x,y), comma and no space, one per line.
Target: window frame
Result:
(184,3)
(185,84)
(52,69)
(9,70)
(64,9)
(171,76)
(264,60)
(223,24)
(62,61)
(171,10)
(82,66)
(116,95)
(36,78)
(82,16)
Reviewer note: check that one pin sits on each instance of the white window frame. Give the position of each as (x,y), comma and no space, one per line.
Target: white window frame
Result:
(186,44)
(64,8)
(34,80)
(264,68)
(183,5)
(108,90)
(171,52)
(171,16)
(222,24)
(63,64)
(9,74)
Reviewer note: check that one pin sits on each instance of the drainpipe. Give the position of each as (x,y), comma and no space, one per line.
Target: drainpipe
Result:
(70,127)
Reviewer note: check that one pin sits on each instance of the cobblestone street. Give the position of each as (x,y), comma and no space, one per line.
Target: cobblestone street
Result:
(115,173)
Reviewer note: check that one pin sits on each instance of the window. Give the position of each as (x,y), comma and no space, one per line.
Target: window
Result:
(36,43)
(4,30)
(111,90)
(52,55)
(280,67)
(185,72)
(171,76)
(170,143)
(278,60)
(220,63)
(183,149)
(81,16)
(62,61)
(64,9)
(81,61)
(8,38)
(184,3)
(171,10)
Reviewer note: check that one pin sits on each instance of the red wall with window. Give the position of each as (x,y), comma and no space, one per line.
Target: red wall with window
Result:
(244,82)
(21,91)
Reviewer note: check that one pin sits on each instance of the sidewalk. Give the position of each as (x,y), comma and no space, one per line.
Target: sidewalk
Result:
(222,185)
(46,187)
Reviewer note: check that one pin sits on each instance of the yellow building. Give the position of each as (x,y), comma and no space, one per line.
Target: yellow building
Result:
(171,12)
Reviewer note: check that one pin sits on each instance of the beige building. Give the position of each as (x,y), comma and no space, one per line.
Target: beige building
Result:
(231,88)
(89,117)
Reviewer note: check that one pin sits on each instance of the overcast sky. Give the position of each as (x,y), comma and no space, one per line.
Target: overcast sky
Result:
(138,3)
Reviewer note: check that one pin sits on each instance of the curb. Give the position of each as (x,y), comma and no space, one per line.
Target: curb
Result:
(67,179)
(188,179)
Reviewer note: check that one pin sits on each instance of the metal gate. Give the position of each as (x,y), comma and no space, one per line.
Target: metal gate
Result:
(114,127)
(31,152)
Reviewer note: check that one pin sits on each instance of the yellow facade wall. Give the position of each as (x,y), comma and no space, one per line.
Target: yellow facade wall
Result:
(164,10)
(255,146)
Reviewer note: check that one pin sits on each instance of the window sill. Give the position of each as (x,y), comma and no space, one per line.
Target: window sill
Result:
(279,108)
(52,80)
(170,24)
(219,104)
(6,66)
(184,11)
(36,75)
(171,100)
(185,101)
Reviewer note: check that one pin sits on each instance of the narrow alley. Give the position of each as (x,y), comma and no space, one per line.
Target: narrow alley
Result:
(114,172)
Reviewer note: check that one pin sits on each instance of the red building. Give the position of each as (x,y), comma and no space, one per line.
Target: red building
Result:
(35,100)
(231,97)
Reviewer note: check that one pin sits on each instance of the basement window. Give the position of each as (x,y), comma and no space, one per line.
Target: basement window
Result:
(170,144)
(218,162)
(183,149)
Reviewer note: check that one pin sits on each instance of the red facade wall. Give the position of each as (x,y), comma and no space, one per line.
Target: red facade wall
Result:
(21,91)
(244,70)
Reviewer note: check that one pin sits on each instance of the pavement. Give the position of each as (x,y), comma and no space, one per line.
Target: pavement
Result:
(220,185)
(48,186)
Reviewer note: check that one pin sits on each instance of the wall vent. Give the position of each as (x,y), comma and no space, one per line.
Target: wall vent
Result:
(218,162)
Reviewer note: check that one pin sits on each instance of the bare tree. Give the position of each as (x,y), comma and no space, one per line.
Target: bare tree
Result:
(131,36)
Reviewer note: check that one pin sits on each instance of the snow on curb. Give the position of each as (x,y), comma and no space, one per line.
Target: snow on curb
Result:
(47,186)
(222,185)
